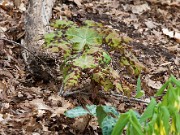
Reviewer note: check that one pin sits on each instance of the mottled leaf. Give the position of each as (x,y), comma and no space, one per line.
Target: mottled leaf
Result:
(83,36)
(85,61)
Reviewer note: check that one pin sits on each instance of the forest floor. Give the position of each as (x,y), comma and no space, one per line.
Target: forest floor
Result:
(29,106)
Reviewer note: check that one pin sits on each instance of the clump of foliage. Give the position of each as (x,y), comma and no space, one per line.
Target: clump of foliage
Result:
(88,52)
(161,118)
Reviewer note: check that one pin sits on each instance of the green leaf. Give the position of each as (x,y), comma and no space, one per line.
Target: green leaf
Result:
(85,61)
(94,50)
(83,36)
(135,123)
(161,90)
(130,129)
(62,24)
(177,122)
(121,123)
(111,109)
(124,61)
(107,84)
(113,38)
(90,23)
(92,109)
(106,58)
(107,125)
(49,37)
(139,92)
(72,79)
(101,114)
(76,112)
(65,48)
(80,111)
(174,80)
(148,113)
(118,86)
(150,125)
(165,117)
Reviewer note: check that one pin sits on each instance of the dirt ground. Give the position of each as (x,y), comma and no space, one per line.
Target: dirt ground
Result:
(30,105)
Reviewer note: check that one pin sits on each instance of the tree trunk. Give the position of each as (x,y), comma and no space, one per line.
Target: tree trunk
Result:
(37,19)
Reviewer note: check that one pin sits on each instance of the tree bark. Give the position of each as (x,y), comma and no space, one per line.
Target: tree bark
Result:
(37,19)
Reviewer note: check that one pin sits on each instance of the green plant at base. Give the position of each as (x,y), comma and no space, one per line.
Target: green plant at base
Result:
(161,118)
(87,52)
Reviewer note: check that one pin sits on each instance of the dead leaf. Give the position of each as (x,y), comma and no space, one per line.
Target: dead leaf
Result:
(168,33)
(177,36)
(55,100)
(22,7)
(6,73)
(78,2)
(17,3)
(80,123)
(40,105)
(150,24)
(173,48)
(139,9)
(172,34)
(177,61)
(153,84)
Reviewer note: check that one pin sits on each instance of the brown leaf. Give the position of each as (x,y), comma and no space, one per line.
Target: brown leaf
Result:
(81,123)
(6,73)
(139,9)
(17,3)
(78,2)
(40,105)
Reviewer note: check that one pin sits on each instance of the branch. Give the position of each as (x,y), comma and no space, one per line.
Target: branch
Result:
(127,98)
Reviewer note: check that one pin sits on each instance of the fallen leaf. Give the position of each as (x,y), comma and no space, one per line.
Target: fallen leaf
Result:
(177,61)
(168,33)
(22,7)
(172,34)
(78,2)
(177,36)
(40,105)
(150,24)
(139,9)
(173,48)
(153,84)
(80,123)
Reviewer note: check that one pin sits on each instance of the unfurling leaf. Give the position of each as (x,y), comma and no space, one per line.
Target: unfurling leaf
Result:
(139,92)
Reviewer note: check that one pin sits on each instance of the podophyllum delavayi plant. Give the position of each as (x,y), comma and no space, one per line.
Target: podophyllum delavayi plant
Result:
(161,118)
(88,53)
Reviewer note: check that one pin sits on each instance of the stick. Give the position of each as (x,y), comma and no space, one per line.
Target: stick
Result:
(127,98)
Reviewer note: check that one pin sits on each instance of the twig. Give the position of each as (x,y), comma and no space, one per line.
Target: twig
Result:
(65,94)
(61,89)
(127,98)
(16,43)
(72,93)
(87,124)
